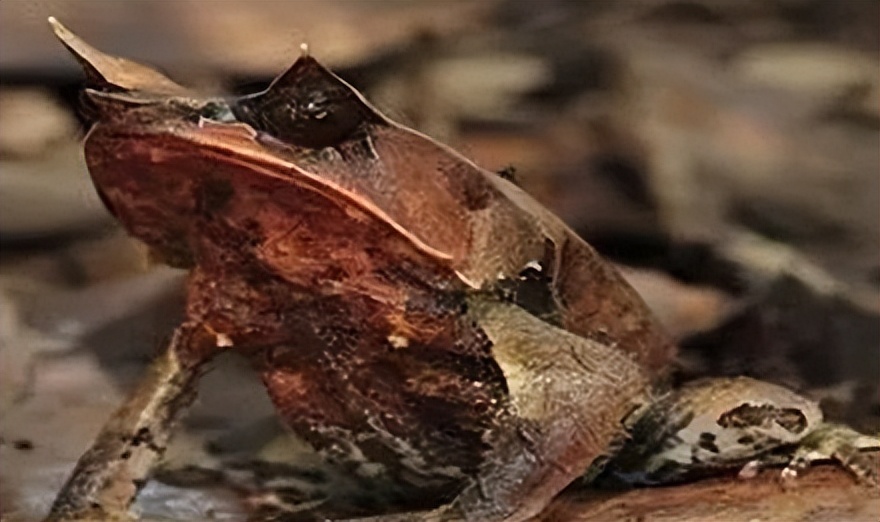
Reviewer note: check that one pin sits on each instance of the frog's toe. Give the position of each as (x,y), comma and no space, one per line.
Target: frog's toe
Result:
(790,473)
(750,469)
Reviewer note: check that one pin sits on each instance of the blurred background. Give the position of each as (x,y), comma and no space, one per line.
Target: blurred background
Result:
(724,153)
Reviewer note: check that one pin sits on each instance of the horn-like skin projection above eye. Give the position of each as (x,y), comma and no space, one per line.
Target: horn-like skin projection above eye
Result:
(307,106)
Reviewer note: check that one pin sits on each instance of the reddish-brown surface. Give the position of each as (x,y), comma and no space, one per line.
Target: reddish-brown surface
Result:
(824,493)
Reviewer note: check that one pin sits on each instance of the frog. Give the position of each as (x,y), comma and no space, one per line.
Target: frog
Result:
(407,311)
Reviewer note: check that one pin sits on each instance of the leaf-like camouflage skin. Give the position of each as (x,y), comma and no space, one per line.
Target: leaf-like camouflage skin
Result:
(403,306)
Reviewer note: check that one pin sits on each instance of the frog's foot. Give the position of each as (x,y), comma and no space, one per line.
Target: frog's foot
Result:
(280,491)
(92,514)
(840,444)
(270,505)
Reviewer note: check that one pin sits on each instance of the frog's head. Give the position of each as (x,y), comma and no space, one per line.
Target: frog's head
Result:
(156,148)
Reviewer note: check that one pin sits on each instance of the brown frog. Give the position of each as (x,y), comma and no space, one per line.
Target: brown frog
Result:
(403,306)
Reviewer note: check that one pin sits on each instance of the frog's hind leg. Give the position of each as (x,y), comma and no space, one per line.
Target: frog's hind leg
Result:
(840,444)
(711,426)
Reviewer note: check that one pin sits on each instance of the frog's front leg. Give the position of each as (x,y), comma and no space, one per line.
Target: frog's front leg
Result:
(716,425)
(109,475)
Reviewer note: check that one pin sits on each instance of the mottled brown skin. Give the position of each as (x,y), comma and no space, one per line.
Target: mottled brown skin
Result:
(394,296)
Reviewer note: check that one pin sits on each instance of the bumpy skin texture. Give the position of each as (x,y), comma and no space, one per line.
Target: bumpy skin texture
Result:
(403,306)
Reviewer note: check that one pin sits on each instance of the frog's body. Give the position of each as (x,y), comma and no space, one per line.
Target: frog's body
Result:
(402,305)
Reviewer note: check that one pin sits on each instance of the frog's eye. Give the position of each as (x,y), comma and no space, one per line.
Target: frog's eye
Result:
(216,111)
(307,106)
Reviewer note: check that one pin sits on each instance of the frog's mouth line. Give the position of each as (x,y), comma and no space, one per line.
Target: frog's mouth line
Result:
(253,162)
(234,144)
